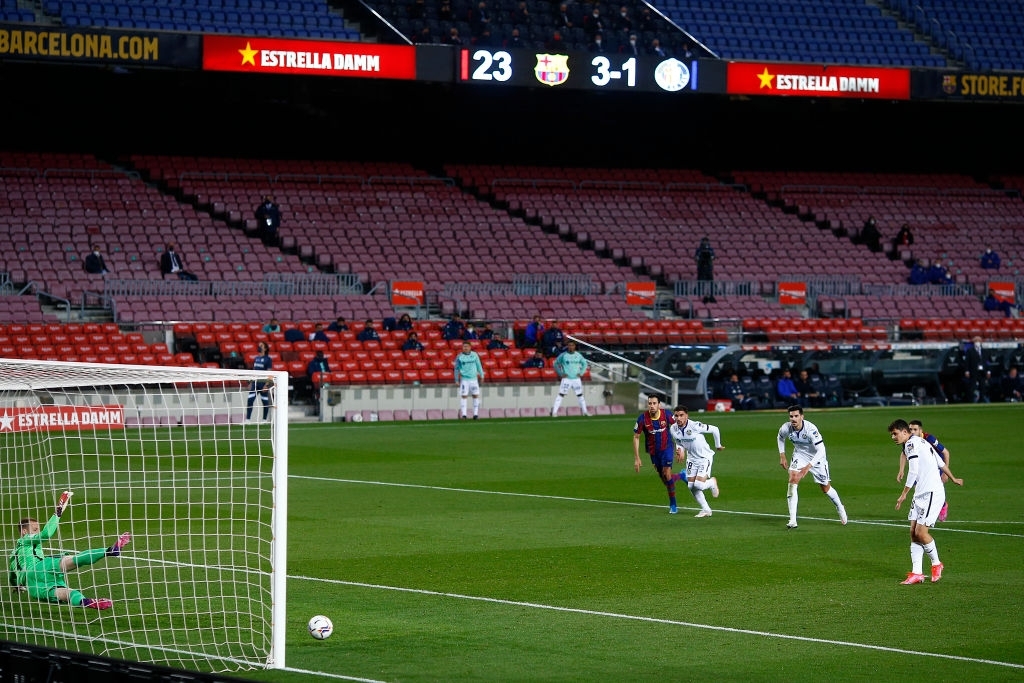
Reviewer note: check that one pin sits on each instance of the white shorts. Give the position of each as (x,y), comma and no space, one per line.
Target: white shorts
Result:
(575,384)
(469,387)
(699,467)
(819,470)
(925,509)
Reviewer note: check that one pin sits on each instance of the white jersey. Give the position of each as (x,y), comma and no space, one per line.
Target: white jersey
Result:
(690,436)
(808,444)
(924,467)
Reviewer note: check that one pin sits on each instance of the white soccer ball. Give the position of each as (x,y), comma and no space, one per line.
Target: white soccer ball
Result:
(358,417)
(320,627)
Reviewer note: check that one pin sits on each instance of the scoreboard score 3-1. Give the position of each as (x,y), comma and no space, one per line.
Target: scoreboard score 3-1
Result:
(577,71)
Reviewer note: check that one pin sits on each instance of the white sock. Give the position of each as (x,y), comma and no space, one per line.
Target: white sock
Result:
(916,555)
(462,407)
(932,552)
(834,497)
(702,485)
(791,498)
(583,403)
(558,403)
(698,496)
(476,407)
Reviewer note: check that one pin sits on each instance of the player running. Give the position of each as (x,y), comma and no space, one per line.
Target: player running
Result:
(688,436)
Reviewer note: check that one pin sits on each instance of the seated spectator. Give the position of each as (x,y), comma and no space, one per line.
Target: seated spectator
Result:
(870,236)
(534,361)
(918,273)
(939,275)
(990,260)
(995,303)
(555,43)
(172,262)
(656,50)
(515,39)
(424,37)
(785,389)
(487,332)
(520,16)
(453,37)
(1012,386)
(631,46)
(294,334)
(272,327)
(470,332)
(404,322)
(338,325)
(740,400)
(597,45)
(412,343)
(534,333)
(905,237)
(495,343)
(453,329)
(807,392)
(368,333)
(317,364)
(94,262)
(318,334)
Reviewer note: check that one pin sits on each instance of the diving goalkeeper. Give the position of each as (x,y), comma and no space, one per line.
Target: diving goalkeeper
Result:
(44,578)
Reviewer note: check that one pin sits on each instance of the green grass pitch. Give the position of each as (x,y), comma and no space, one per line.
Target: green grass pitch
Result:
(529,550)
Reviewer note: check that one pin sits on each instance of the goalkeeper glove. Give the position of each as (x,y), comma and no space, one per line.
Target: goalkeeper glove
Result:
(62,504)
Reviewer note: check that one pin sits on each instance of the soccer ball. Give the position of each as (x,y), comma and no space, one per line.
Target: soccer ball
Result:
(358,417)
(320,627)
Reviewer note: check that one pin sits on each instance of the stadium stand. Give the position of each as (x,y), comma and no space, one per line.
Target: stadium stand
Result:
(282,18)
(826,32)
(984,35)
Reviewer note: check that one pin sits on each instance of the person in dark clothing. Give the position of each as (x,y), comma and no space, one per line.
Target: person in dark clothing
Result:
(705,257)
(268,218)
(870,236)
(172,262)
(94,262)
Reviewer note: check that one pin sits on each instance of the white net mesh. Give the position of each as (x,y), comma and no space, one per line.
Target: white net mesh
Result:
(168,455)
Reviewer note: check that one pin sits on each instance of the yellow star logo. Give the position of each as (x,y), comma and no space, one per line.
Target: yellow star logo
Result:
(766,78)
(248,55)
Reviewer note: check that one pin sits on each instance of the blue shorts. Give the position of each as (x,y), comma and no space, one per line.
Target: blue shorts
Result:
(663,459)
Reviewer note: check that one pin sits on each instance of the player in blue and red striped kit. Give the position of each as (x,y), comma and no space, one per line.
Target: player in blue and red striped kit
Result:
(654,425)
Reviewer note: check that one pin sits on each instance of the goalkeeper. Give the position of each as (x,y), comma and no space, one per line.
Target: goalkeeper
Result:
(44,578)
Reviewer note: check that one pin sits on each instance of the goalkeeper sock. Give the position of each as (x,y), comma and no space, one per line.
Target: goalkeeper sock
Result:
(90,556)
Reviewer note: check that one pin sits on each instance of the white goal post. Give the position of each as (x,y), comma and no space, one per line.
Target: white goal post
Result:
(168,455)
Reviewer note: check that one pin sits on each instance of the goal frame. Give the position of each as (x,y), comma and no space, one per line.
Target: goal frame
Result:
(26,378)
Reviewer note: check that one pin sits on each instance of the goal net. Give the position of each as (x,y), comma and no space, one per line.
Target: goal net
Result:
(168,455)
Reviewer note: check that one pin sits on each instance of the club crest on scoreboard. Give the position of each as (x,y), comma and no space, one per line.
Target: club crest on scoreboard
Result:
(671,75)
(552,69)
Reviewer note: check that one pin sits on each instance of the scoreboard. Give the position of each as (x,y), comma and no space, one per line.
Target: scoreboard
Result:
(585,71)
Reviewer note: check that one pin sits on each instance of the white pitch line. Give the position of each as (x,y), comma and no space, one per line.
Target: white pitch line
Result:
(654,620)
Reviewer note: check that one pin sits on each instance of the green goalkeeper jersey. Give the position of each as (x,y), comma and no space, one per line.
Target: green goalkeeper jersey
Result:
(28,552)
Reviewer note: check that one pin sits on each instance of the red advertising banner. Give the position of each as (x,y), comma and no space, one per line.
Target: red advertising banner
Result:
(308,57)
(640,293)
(52,418)
(1004,291)
(407,293)
(720,405)
(793,293)
(809,80)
